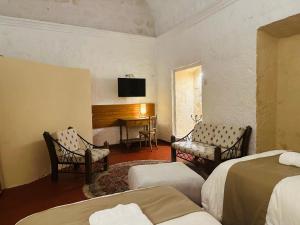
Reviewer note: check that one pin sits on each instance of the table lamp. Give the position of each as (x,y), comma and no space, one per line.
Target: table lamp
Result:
(143,110)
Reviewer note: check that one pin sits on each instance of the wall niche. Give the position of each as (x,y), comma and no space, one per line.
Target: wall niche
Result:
(278,85)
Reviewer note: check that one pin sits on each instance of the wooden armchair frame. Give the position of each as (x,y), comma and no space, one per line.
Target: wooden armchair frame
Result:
(70,158)
(241,144)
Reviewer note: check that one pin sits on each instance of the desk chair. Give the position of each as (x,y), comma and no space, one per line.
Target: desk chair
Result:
(149,132)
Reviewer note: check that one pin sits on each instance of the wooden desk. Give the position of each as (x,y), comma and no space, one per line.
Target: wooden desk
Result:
(131,122)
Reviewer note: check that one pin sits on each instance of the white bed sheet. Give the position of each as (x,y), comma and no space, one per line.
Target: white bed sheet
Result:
(284,206)
(213,191)
(197,218)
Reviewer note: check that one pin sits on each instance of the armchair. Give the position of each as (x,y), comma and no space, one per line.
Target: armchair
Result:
(67,148)
(211,143)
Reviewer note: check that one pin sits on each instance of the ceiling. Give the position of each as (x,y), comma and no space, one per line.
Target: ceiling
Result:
(143,17)
(169,13)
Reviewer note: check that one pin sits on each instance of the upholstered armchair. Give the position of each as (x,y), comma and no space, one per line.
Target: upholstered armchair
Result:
(68,149)
(212,143)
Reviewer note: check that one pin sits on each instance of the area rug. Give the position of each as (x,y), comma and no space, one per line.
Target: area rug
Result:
(114,180)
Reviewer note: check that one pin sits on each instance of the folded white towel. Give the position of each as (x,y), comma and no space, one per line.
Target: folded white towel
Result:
(290,159)
(130,214)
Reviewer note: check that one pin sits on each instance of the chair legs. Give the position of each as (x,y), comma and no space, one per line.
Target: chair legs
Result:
(88,166)
(150,142)
(105,163)
(149,139)
(54,172)
(173,155)
(140,137)
(76,166)
(153,138)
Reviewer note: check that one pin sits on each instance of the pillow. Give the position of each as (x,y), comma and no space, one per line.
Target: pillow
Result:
(290,159)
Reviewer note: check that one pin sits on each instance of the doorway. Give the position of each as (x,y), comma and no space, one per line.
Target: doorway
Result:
(187,99)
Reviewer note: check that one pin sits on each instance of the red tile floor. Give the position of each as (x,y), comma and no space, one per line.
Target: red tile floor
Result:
(19,202)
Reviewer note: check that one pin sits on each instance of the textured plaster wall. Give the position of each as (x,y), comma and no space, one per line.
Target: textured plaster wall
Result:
(225,45)
(129,16)
(106,54)
(288,93)
(184,86)
(266,99)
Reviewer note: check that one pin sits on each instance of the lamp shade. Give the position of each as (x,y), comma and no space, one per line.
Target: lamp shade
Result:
(143,109)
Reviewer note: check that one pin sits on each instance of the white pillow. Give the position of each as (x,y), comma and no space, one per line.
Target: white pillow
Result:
(290,159)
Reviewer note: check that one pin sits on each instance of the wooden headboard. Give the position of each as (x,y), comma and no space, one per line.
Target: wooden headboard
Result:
(108,115)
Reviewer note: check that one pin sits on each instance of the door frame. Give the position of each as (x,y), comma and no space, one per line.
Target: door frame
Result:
(174,91)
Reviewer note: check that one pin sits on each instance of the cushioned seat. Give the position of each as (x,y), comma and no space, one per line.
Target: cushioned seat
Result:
(199,149)
(212,142)
(70,140)
(97,154)
(195,148)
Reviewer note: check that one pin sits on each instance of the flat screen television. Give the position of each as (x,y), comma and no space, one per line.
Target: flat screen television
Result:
(131,87)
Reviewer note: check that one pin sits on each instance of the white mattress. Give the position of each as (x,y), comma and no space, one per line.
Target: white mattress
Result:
(284,206)
(175,174)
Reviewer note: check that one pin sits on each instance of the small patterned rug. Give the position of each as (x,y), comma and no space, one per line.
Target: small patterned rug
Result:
(114,180)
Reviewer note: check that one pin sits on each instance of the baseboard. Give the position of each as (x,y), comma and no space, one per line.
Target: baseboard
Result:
(163,141)
(115,145)
(118,145)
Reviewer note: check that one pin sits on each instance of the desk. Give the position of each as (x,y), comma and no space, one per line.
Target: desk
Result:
(131,122)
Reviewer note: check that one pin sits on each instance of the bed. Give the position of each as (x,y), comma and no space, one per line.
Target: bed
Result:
(162,205)
(254,190)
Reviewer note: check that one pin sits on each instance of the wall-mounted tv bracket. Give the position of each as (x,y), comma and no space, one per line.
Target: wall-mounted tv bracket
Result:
(129,75)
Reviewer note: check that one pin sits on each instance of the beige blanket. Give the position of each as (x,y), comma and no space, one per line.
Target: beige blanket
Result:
(159,204)
(248,189)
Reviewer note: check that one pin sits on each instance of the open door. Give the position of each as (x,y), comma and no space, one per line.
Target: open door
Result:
(187,100)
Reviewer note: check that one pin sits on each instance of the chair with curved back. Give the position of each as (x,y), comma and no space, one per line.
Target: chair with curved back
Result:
(67,148)
(150,132)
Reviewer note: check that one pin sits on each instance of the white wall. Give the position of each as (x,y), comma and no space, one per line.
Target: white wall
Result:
(106,54)
(225,45)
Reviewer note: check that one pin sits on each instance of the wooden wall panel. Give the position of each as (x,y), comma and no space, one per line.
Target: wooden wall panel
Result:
(108,115)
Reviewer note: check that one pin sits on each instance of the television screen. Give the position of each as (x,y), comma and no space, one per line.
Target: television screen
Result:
(131,87)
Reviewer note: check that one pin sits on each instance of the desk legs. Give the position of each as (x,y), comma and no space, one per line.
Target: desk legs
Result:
(121,136)
(127,144)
